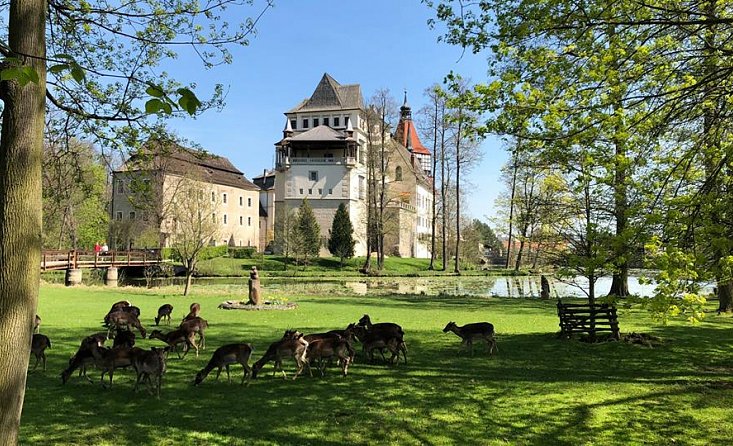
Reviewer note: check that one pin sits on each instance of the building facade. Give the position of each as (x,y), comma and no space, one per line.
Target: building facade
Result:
(323,157)
(147,190)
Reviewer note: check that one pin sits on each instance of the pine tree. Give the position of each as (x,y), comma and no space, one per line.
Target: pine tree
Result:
(341,243)
(309,232)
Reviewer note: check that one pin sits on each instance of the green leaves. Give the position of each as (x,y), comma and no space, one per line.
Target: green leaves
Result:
(16,71)
(163,103)
(69,64)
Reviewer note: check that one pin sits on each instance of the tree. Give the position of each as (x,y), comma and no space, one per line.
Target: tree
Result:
(286,237)
(341,244)
(308,233)
(195,223)
(100,72)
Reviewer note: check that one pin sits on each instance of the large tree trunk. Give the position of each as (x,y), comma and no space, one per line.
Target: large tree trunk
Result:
(725,296)
(21,154)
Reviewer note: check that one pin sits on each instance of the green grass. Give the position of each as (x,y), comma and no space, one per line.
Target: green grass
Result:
(272,265)
(537,390)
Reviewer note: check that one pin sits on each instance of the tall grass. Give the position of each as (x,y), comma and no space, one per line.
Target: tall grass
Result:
(538,390)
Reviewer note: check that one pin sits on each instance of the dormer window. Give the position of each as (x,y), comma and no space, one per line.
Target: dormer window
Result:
(315,122)
(305,123)
(398,173)
(326,121)
(336,121)
(294,123)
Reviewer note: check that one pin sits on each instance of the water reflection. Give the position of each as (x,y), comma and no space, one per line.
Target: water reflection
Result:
(489,286)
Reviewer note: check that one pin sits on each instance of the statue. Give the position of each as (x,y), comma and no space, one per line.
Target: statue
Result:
(254,287)
(545,285)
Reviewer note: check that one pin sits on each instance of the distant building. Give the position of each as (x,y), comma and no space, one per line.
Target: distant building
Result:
(266,183)
(323,157)
(144,192)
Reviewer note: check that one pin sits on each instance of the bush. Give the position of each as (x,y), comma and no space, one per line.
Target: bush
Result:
(242,253)
(208,252)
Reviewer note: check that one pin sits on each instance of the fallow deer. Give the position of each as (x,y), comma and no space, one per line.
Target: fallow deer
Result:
(150,367)
(327,347)
(39,344)
(122,319)
(164,312)
(224,356)
(37,324)
(292,345)
(196,325)
(111,359)
(83,356)
(381,336)
(194,311)
(124,338)
(117,306)
(176,337)
(476,331)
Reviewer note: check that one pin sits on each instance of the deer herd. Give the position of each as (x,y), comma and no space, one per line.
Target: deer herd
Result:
(313,350)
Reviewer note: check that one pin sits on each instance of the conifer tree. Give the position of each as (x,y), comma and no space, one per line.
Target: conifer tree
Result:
(341,243)
(308,231)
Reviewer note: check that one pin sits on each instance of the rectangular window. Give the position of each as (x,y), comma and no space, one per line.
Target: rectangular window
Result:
(313,175)
(120,187)
(224,198)
(325,121)
(320,191)
(310,191)
(132,215)
(336,121)
(316,121)
(249,221)
(240,220)
(241,201)
(330,192)
(225,218)
(294,123)
(301,192)
(213,196)
(249,202)
(119,215)
(305,123)
(213,218)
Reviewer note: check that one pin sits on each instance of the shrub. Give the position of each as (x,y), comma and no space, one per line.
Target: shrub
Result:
(247,252)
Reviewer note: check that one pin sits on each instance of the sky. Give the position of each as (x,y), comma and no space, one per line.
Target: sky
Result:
(377,44)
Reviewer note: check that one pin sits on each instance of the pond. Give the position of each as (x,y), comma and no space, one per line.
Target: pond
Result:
(489,286)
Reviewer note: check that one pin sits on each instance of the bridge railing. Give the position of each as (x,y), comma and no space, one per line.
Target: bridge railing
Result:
(63,259)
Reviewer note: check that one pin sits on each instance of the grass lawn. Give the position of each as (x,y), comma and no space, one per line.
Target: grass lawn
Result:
(537,390)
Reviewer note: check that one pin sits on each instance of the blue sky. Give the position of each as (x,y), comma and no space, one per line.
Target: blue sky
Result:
(378,44)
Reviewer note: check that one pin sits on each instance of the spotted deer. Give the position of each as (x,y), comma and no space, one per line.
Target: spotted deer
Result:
(292,345)
(482,331)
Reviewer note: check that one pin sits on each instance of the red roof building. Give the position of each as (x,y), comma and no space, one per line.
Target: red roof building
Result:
(406,135)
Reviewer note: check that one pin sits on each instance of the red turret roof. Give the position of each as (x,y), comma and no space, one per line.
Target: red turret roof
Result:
(407,127)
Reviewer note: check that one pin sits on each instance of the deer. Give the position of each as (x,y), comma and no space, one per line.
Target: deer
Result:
(37,324)
(224,356)
(196,325)
(123,305)
(124,338)
(373,335)
(110,359)
(164,312)
(39,344)
(291,344)
(175,337)
(194,311)
(120,319)
(150,367)
(327,347)
(83,356)
(469,332)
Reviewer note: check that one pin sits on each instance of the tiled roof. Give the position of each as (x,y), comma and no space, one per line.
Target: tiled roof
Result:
(320,133)
(266,181)
(407,127)
(330,95)
(178,160)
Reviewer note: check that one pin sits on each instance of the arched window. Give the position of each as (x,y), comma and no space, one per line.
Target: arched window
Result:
(398,173)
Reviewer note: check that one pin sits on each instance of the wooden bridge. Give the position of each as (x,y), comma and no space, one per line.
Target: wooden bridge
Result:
(74,259)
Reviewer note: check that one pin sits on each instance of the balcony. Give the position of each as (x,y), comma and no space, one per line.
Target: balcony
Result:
(348,161)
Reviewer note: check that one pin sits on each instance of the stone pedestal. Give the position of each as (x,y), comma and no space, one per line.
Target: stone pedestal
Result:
(73,277)
(110,276)
(254,287)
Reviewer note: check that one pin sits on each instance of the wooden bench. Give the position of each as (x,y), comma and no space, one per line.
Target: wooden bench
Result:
(576,318)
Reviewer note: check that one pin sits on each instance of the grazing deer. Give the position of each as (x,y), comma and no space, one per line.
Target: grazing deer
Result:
(175,337)
(83,356)
(469,332)
(194,311)
(39,344)
(123,319)
(110,359)
(117,306)
(224,356)
(37,324)
(377,336)
(292,345)
(149,366)
(326,347)
(196,325)
(164,312)
(124,338)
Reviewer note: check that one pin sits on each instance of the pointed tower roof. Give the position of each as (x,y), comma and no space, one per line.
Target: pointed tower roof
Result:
(330,95)
(406,133)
